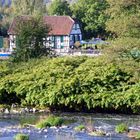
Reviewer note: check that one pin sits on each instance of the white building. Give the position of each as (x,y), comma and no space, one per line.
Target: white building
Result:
(64,32)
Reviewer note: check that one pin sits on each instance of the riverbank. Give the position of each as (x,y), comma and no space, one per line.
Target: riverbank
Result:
(18,110)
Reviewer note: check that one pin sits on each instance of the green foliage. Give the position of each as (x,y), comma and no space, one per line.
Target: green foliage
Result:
(76,83)
(43,124)
(27,7)
(122,16)
(29,42)
(124,48)
(59,8)
(4,106)
(79,128)
(50,121)
(5,19)
(18,8)
(121,128)
(21,137)
(123,23)
(137,135)
(91,13)
(4,69)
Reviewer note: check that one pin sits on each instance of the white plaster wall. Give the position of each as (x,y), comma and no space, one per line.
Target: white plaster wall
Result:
(12,42)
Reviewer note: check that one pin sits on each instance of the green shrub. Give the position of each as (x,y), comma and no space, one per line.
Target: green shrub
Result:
(79,128)
(75,83)
(50,121)
(121,128)
(137,135)
(2,106)
(21,137)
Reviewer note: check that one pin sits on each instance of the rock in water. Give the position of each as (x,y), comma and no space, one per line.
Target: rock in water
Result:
(6,111)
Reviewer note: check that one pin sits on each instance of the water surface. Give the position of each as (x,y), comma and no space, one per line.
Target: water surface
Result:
(10,126)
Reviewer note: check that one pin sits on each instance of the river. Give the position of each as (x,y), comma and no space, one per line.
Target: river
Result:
(10,125)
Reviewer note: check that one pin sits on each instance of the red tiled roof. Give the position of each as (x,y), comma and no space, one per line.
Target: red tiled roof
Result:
(11,29)
(60,25)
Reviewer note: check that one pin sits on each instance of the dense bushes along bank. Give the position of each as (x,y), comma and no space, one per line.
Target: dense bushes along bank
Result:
(76,83)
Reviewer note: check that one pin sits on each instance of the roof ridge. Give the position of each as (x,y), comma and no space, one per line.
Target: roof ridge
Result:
(71,19)
(57,16)
(61,25)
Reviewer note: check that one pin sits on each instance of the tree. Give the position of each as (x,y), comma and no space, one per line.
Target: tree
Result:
(59,7)
(27,7)
(124,25)
(5,18)
(31,33)
(91,13)
(19,7)
(124,18)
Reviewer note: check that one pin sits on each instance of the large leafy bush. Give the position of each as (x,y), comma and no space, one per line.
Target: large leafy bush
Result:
(78,83)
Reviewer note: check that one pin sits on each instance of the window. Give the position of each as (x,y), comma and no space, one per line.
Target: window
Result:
(78,27)
(78,36)
(73,38)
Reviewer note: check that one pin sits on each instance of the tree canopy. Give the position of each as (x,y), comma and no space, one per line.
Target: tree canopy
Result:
(27,7)
(124,25)
(91,13)
(59,7)
(124,18)
(5,19)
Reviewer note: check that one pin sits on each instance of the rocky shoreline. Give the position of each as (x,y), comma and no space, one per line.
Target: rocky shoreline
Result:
(21,110)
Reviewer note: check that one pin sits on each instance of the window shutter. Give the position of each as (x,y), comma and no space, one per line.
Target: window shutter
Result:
(1,42)
(62,41)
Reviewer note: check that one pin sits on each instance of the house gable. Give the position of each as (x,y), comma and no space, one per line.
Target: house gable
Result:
(75,29)
(76,34)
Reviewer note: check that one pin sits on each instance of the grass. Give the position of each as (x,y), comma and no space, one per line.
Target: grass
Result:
(21,137)
(121,128)
(79,128)
(50,121)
